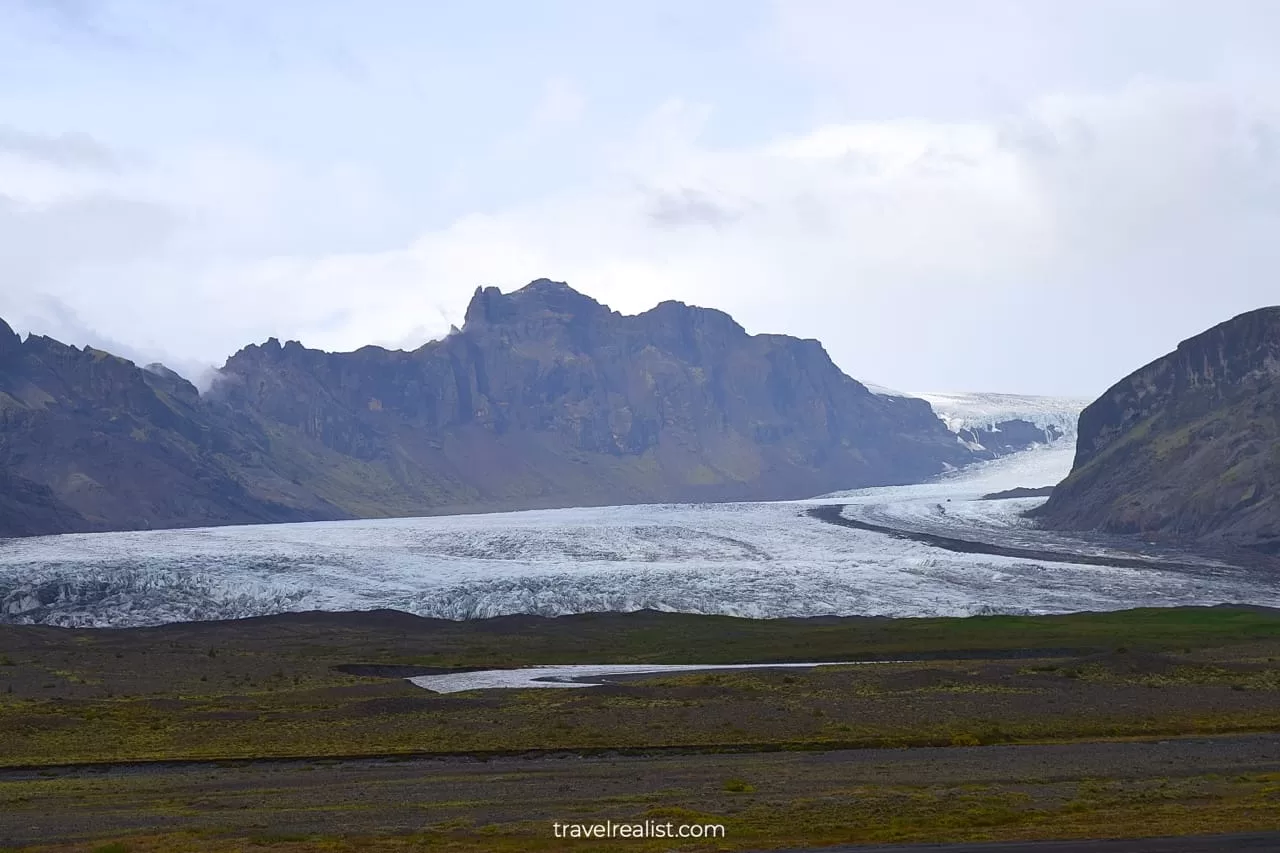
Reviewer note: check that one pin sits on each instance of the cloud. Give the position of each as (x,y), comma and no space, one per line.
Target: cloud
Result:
(689,207)
(50,316)
(39,243)
(981,59)
(964,211)
(72,14)
(68,150)
(562,104)
(1051,250)
(558,112)
(158,254)
(76,23)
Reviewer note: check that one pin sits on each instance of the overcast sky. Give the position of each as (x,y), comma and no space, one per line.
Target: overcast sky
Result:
(1032,197)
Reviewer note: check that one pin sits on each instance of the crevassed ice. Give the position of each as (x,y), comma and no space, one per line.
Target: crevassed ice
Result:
(748,559)
(985,410)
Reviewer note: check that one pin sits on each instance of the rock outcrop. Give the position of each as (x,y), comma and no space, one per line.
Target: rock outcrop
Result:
(1009,436)
(1187,447)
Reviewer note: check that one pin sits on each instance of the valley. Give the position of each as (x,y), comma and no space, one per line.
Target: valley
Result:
(770,559)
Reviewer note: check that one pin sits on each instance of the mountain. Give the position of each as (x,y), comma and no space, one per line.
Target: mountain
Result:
(89,441)
(1187,447)
(544,398)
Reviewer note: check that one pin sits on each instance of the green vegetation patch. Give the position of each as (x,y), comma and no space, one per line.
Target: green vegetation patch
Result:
(273,687)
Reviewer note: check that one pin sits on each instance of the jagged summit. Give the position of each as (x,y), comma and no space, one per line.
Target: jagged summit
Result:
(272,350)
(491,305)
(10,341)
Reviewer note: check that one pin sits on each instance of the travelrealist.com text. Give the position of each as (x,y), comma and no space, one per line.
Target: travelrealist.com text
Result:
(643,829)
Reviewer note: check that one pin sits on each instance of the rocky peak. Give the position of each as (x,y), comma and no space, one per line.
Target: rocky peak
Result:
(160,376)
(479,309)
(538,298)
(267,352)
(691,317)
(10,342)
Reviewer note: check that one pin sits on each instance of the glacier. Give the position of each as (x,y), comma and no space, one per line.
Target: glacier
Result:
(765,559)
(979,410)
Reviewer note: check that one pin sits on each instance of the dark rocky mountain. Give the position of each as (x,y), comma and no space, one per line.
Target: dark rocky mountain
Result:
(1187,447)
(89,441)
(545,398)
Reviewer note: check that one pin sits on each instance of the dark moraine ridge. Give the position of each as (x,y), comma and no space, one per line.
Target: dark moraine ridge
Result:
(1019,492)
(833,514)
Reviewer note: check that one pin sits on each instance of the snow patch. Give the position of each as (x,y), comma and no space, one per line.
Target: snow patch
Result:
(584,675)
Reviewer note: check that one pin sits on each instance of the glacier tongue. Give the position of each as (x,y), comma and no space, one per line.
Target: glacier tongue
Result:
(747,559)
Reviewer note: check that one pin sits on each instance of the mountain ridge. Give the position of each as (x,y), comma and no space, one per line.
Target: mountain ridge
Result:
(544,398)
